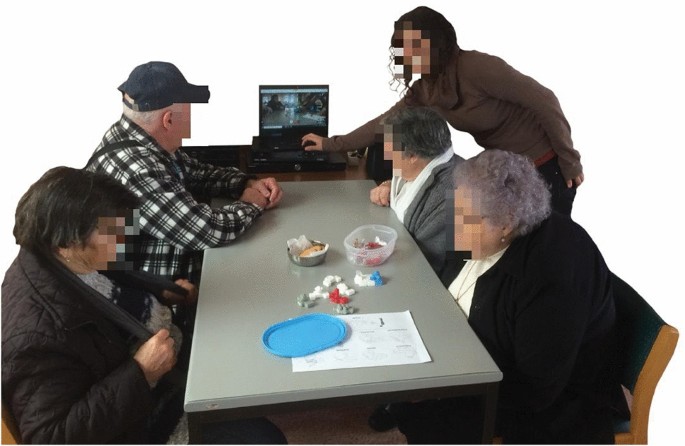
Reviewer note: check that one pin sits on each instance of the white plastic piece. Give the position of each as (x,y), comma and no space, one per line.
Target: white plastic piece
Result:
(330,280)
(363,279)
(345,290)
(317,293)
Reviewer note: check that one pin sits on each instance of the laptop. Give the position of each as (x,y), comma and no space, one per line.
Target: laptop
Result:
(286,114)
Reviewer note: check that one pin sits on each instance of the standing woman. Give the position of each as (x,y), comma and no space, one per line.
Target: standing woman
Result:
(476,93)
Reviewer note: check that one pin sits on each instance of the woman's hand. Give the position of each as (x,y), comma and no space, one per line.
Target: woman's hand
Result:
(191,297)
(380,194)
(577,181)
(156,356)
(312,141)
(171,298)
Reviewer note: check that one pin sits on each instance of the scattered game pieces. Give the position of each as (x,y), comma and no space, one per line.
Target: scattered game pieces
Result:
(340,294)
(317,293)
(344,309)
(304,301)
(330,280)
(345,290)
(373,279)
(376,277)
(363,244)
(335,297)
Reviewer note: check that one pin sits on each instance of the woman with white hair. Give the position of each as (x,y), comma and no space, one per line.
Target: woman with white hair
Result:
(538,294)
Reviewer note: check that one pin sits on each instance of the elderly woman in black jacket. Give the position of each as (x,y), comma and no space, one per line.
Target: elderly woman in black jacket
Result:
(538,294)
(85,349)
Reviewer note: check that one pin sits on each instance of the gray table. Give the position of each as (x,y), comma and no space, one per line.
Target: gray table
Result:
(251,284)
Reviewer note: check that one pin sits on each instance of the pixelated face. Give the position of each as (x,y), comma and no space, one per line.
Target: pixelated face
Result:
(406,166)
(473,231)
(390,141)
(181,122)
(392,150)
(109,241)
(412,49)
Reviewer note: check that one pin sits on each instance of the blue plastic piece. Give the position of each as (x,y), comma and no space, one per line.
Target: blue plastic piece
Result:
(376,277)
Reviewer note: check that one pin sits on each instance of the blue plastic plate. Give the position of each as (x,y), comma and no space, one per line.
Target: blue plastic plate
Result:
(304,335)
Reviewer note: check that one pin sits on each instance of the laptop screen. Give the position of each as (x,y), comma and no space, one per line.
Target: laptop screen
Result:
(293,110)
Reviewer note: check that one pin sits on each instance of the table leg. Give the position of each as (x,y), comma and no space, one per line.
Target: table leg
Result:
(194,429)
(489,412)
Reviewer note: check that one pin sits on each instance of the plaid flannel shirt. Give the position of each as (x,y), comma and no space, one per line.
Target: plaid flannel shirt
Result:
(175,228)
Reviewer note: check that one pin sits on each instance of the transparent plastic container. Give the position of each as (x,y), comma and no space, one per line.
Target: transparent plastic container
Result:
(370,245)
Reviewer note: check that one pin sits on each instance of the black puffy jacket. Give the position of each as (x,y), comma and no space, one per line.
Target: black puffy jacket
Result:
(67,372)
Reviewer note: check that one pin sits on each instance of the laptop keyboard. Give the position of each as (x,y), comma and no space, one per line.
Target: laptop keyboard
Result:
(319,157)
(280,144)
(286,145)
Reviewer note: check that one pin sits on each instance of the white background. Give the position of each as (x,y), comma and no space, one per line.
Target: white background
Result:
(616,67)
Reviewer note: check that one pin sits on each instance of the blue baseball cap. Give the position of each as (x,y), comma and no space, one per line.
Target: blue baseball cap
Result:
(155,85)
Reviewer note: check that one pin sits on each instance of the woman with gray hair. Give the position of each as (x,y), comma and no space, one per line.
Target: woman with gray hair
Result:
(538,294)
(419,143)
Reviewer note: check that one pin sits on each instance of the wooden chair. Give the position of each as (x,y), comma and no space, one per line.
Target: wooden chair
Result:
(647,345)
(10,433)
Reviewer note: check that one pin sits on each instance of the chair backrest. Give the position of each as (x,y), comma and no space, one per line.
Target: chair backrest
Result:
(377,168)
(646,347)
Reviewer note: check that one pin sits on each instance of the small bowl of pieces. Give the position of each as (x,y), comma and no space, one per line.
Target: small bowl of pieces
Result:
(370,245)
(306,252)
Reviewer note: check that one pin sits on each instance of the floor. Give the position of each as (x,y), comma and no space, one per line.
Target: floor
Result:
(334,426)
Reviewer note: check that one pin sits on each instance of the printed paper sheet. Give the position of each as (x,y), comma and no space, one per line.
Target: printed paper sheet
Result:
(377,339)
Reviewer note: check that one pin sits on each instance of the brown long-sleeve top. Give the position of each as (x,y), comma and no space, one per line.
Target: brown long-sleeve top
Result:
(500,107)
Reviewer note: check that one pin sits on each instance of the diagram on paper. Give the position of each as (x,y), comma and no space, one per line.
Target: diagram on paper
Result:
(375,340)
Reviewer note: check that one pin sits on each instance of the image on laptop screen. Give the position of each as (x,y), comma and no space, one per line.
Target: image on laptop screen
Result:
(288,112)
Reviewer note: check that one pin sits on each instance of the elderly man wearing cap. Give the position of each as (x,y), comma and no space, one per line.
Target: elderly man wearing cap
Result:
(141,151)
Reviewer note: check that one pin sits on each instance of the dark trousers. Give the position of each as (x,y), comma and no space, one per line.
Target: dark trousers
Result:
(444,421)
(460,421)
(169,409)
(562,196)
